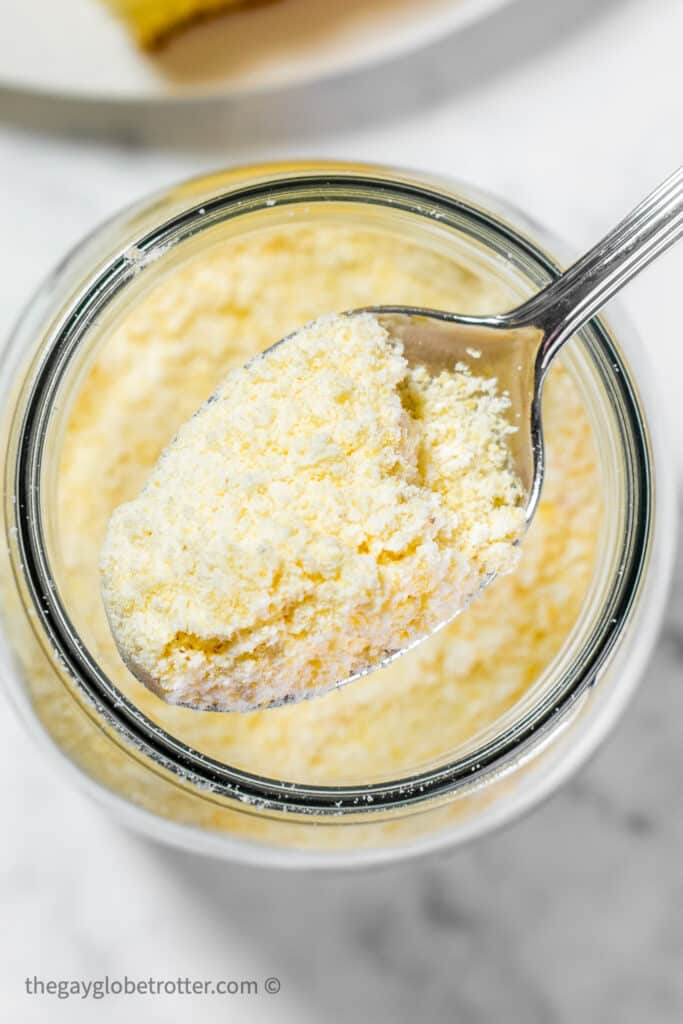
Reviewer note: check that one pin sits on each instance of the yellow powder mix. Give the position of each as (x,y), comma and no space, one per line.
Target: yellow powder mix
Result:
(328,506)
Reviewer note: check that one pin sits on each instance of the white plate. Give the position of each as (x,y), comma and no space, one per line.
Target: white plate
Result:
(77,48)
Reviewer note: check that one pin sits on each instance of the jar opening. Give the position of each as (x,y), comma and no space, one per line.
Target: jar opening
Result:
(597,366)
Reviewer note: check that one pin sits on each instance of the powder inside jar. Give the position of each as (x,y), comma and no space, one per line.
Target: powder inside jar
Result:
(215,312)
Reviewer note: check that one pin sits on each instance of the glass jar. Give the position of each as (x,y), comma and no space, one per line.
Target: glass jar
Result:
(161,785)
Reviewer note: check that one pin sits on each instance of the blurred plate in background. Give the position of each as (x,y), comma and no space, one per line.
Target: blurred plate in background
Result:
(77,48)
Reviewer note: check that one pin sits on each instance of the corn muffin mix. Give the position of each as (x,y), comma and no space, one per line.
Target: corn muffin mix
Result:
(328,505)
(168,357)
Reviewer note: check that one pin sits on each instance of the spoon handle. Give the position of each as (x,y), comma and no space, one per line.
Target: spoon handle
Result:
(565,305)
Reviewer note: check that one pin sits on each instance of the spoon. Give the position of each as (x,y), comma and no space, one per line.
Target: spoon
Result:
(518,347)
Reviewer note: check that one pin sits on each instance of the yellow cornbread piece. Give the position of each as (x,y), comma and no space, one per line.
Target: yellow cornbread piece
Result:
(151,21)
(328,505)
(216,311)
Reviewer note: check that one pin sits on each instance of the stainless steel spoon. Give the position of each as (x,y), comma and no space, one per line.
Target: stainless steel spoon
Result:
(518,347)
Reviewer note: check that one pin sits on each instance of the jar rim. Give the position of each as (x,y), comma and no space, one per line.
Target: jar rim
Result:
(30,554)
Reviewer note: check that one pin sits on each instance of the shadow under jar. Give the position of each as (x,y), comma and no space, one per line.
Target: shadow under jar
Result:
(131,333)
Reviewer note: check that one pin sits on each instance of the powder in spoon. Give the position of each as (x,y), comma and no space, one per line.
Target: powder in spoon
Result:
(329,504)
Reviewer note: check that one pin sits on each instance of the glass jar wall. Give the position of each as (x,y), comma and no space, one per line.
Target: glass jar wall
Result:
(130,335)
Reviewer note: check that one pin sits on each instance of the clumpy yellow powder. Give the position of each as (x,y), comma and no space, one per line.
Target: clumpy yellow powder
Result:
(329,505)
(177,344)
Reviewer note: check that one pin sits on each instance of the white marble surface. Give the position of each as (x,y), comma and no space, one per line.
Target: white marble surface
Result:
(572,110)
